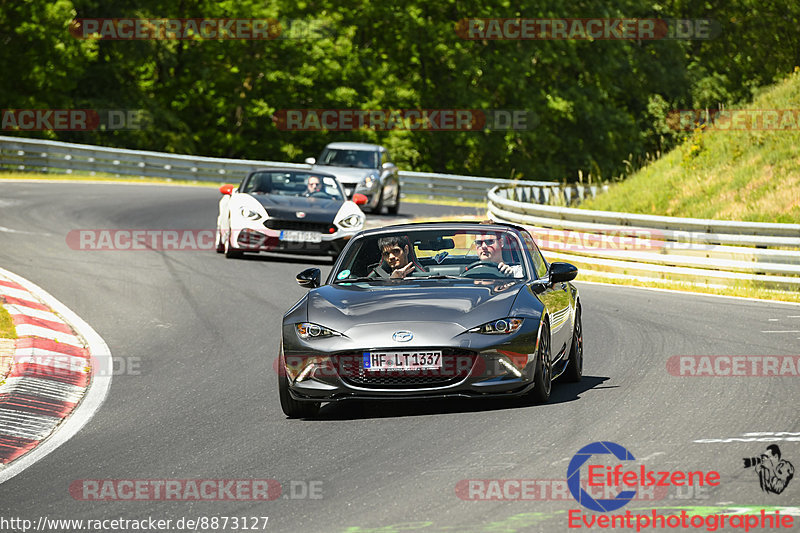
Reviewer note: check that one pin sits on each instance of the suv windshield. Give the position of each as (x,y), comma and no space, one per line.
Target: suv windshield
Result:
(349,158)
(287,183)
(472,253)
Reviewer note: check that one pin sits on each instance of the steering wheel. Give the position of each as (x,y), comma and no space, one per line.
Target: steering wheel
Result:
(482,268)
(318,194)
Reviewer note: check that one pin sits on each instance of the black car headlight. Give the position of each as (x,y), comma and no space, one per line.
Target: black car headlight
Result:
(309,330)
(353,221)
(249,213)
(504,326)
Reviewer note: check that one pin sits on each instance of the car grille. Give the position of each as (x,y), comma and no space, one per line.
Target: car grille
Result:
(301,225)
(456,365)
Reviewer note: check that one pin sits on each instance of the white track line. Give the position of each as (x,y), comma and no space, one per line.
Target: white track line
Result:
(687,293)
(95,394)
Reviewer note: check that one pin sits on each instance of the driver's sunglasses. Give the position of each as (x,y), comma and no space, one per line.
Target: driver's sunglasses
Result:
(487,242)
(314,184)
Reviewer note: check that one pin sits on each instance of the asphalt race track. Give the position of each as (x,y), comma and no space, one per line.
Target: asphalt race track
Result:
(198,334)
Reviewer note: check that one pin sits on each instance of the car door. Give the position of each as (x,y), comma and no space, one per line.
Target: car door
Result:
(556,298)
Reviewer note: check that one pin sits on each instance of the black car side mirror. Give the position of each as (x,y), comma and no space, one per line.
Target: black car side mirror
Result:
(561,272)
(309,278)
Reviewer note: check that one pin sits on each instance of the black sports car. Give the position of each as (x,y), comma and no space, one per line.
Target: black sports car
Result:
(287,210)
(432,310)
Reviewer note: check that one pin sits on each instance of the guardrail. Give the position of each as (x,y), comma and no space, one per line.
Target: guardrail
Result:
(18,153)
(646,247)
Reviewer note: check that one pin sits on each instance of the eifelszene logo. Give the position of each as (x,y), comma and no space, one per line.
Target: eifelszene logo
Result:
(600,475)
(774,473)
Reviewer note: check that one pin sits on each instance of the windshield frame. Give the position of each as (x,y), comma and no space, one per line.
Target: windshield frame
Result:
(329,182)
(354,248)
(374,155)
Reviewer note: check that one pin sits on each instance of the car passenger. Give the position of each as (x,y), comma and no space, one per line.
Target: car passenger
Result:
(397,258)
(490,248)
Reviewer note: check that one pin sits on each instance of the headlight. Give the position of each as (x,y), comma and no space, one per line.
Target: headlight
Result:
(249,213)
(368,181)
(504,326)
(308,330)
(353,221)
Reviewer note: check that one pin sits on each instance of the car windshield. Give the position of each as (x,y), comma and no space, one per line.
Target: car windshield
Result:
(473,253)
(338,157)
(288,183)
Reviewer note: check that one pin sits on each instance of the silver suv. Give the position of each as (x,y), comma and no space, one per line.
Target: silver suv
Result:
(362,168)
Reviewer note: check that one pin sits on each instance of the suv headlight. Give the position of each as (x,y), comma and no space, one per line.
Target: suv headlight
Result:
(309,330)
(353,221)
(368,181)
(249,213)
(504,326)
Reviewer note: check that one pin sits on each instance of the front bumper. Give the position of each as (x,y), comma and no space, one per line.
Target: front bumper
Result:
(370,192)
(257,238)
(477,367)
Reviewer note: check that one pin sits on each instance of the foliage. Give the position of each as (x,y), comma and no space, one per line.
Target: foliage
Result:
(599,105)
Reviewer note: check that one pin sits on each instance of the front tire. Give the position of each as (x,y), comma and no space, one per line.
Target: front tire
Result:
(291,407)
(379,206)
(574,371)
(219,242)
(396,207)
(543,378)
(230,251)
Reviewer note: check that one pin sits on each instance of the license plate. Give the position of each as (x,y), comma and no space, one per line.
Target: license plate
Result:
(300,236)
(423,360)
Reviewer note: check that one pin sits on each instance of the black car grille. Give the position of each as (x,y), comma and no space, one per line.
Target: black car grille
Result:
(456,365)
(301,225)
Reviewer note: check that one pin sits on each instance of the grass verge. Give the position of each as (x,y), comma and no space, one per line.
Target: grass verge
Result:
(7,330)
(741,291)
(722,174)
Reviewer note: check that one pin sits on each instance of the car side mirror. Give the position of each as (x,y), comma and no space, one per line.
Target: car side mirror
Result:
(226,189)
(309,278)
(388,166)
(562,272)
(359,199)
(311,161)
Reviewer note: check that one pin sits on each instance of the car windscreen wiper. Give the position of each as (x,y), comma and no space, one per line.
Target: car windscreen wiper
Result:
(356,280)
(437,276)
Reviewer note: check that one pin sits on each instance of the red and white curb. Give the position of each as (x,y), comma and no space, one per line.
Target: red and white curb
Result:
(60,375)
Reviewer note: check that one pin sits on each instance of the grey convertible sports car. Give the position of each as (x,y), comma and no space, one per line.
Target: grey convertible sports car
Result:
(448,309)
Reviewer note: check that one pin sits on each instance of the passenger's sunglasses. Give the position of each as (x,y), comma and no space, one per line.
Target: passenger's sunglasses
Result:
(487,242)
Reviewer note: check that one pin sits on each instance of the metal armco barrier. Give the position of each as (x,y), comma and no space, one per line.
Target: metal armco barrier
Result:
(18,153)
(631,246)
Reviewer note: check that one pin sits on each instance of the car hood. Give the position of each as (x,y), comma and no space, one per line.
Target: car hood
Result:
(465,304)
(286,207)
(347,174)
